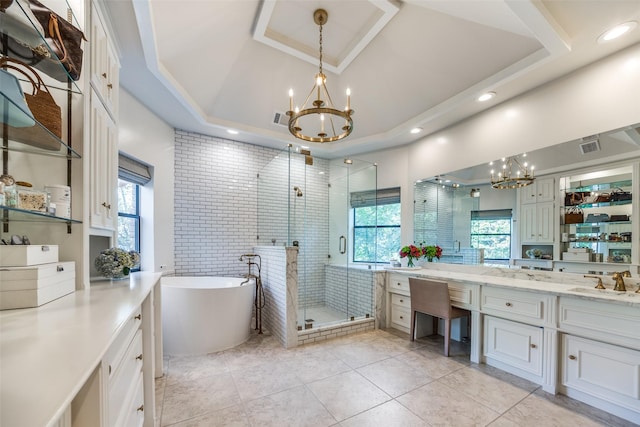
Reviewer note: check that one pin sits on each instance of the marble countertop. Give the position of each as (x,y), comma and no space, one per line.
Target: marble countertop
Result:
(574,285)
(47,353)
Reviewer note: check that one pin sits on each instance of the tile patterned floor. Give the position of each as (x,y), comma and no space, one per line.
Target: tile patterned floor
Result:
(377,378)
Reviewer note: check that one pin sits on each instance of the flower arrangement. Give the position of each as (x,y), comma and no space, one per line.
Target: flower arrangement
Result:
(116,263)
(412,252)
(432,251)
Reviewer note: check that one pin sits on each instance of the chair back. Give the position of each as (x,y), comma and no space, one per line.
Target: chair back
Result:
(430,297)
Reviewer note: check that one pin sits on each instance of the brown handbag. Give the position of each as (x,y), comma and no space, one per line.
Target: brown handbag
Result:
(574,215)
(64,40)
(42,105)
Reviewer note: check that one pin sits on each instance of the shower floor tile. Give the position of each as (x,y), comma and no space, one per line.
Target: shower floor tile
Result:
(321,315)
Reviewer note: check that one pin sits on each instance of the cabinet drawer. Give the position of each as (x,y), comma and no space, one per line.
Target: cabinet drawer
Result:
(602,370)
(518,305)
(134,416)
(401,315)
(398,282)
(116,352)
(514,344)
(401,300)
(123,378)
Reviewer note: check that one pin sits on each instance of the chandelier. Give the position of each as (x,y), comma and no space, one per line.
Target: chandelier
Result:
(320,121)
(514,174)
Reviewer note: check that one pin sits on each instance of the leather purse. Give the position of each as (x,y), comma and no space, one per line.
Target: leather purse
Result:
(574,215)
(14,110)
(17,20)
(63,39)
(42,105)
(618,195)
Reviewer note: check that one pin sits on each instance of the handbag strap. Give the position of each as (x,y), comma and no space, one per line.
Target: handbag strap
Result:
(38,84)
(54,32)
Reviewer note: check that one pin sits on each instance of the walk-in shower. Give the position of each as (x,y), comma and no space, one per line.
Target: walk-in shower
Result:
(318,215)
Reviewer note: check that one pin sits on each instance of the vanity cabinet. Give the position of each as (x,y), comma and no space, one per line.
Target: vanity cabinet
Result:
(515,344)
(542,190)
(528,307)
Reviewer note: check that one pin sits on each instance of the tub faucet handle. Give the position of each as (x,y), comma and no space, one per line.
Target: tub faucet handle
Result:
(619,286)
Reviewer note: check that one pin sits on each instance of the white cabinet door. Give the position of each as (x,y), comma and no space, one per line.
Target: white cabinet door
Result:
(536,223)
(602,370)
(528,194)
(103,172)
(545,190)
(514,344)
(105,68)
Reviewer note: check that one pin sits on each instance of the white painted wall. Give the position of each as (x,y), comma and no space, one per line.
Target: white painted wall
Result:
(146,137)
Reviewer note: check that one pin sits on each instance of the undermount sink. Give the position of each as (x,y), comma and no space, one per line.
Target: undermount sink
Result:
(609,292)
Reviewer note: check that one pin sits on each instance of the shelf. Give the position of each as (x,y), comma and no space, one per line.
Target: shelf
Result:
(54,146)
(600,205)
(601,187)
(21,215)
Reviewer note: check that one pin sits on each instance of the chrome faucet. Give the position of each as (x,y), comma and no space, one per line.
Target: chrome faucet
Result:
(619,278)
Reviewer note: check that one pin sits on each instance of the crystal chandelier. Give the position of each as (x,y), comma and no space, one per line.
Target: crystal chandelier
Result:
(321,122)
(513,174)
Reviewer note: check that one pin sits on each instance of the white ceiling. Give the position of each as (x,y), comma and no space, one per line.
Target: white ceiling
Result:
(209,66)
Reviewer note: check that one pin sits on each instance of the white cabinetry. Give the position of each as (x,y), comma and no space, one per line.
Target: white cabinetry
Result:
(536,222)
(542,190)
(514,344)
(105,69)
(103,172)
(606,372)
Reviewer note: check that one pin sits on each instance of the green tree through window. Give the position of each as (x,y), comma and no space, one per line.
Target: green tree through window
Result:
(491,231)
(383,222)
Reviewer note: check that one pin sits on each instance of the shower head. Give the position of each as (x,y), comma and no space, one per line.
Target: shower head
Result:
(298,191)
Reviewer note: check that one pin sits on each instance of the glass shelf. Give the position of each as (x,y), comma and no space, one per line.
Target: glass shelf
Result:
(21,215)
(601,187)
(54,145)
(600,205)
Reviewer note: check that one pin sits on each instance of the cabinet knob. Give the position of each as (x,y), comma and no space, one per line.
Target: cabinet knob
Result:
(508,304)
(572,357)
(398,284)
(139,357)
(110,86)
(401,317)
(104,75)
(534,346)
(140,408)
(108,206)
(138,317)
(401,300)
(109,369)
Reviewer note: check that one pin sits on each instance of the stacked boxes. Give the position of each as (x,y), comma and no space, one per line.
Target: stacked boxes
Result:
(31,275)
(577,254)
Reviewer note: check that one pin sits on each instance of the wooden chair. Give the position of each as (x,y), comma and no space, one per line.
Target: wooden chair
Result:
(432,297)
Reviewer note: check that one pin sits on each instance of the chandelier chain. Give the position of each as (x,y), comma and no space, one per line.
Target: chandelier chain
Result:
(321,49)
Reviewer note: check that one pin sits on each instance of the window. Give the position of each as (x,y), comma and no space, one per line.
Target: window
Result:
(132,174)
(128,215)
(491,231)
(376,225)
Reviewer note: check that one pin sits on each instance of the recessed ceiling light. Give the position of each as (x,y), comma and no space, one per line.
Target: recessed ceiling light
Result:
(486,96)
(416,130)
(617,31)
(232,132)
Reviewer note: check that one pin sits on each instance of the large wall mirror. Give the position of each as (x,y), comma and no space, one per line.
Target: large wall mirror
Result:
(476,223)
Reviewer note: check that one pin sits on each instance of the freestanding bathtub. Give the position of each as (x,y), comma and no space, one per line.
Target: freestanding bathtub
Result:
(205,314)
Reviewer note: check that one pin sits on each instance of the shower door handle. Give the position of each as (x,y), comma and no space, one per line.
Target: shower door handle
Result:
(342,245)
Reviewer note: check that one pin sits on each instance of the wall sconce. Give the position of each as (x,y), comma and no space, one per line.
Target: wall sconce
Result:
(475,192)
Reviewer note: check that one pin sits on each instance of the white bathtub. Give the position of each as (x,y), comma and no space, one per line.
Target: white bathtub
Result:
(205,314)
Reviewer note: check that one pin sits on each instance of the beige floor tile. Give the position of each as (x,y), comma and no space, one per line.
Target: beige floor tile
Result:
(367,351)
(296,407)
(535,411)
(434,365)
(345,395)
(483,388)
(160,384)
(394,376)
(263,380)
(440,405)
(189,399)
(316,366)
(187,368)
(233,416)
(389,414)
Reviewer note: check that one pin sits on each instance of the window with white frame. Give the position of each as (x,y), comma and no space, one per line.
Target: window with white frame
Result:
(376,225)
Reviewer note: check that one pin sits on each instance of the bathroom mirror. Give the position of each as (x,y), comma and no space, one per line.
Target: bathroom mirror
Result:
(458,193)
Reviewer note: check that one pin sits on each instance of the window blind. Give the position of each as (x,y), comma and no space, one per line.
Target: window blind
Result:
(384,196)
(491,214)
(133,170)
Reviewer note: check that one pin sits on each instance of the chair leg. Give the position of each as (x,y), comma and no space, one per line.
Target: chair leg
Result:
(413,325)
(434,323)
(447,335)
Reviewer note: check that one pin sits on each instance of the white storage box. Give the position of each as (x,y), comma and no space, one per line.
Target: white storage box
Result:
(26,255)
(578,250)
(576,256)
(24,287)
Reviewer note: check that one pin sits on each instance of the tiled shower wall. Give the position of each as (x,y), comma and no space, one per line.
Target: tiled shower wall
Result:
(215,203)
(356,299)
(433,214)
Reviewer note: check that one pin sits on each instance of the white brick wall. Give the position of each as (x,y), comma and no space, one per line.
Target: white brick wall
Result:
(215,203)
(355,298)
